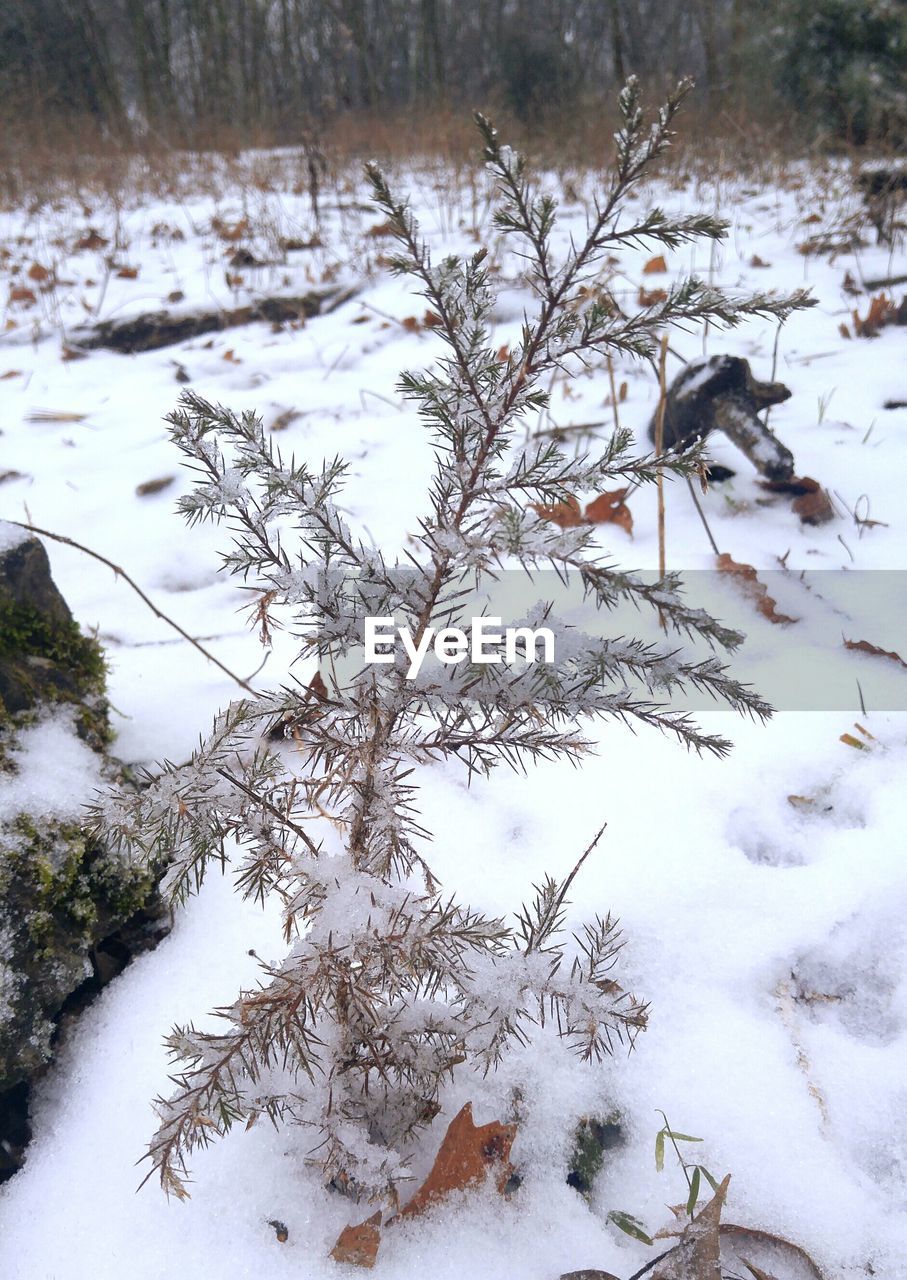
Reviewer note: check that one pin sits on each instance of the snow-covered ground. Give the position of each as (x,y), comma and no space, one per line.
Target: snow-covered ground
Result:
(763,898)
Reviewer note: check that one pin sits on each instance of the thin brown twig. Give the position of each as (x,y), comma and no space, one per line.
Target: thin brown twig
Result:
(158,613)
(283,818)
(659,449)
(613,394)
(705,523)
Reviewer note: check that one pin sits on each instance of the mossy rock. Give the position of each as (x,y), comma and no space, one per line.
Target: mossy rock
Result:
(61,895)
(72,910)
(44,657)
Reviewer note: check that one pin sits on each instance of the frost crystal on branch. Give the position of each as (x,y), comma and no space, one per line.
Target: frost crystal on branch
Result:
(389,986)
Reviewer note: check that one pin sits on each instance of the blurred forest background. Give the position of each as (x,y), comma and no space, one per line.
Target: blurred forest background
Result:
(220,73)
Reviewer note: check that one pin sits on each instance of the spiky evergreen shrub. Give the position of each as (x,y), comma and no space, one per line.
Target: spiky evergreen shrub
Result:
(389,986)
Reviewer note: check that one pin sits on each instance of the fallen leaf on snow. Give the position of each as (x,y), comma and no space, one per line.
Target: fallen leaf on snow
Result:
(231,232)
(754,589)
(650,297)
(153,486)
(283,420)
(607,508)
(882,311)
(359,1244)
(865,647)
(91,240)
(811,503)
(610,508)
(698,1255)
(765,1254)
(655,266)
(566,514)
(468,1153)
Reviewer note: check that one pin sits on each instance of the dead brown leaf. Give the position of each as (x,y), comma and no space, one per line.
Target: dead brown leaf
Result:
(655,266)
(128,273)
(610,508)
(380,229)
(566,514)
(292,245)
(801,802)
(882,311)
(698,1255)
(607,508)
(359,1244)
(19,293)
(650,297)
(467,1155)
(230,231)
(431,320)
(10,373)
(757,1273)
(811,503)
(758,1250)
(39,274)
(814,508)
(147,487)
(752,588)
(865,647)
(756,261)
(283,420)
(91,240)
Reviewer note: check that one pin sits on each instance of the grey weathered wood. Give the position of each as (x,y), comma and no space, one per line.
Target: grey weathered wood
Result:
(720,393)
(156,329)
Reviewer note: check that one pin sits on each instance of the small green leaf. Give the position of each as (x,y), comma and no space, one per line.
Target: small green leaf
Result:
(630,1226)
(694,1190)
(682,1137)
(660,1150)
(709,1179)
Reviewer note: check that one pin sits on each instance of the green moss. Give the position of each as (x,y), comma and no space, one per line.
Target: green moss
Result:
(592,1139)
(66,889)
(51,661)
(26,633)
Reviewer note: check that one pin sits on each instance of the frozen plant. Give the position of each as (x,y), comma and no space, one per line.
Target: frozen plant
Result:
(389,986)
